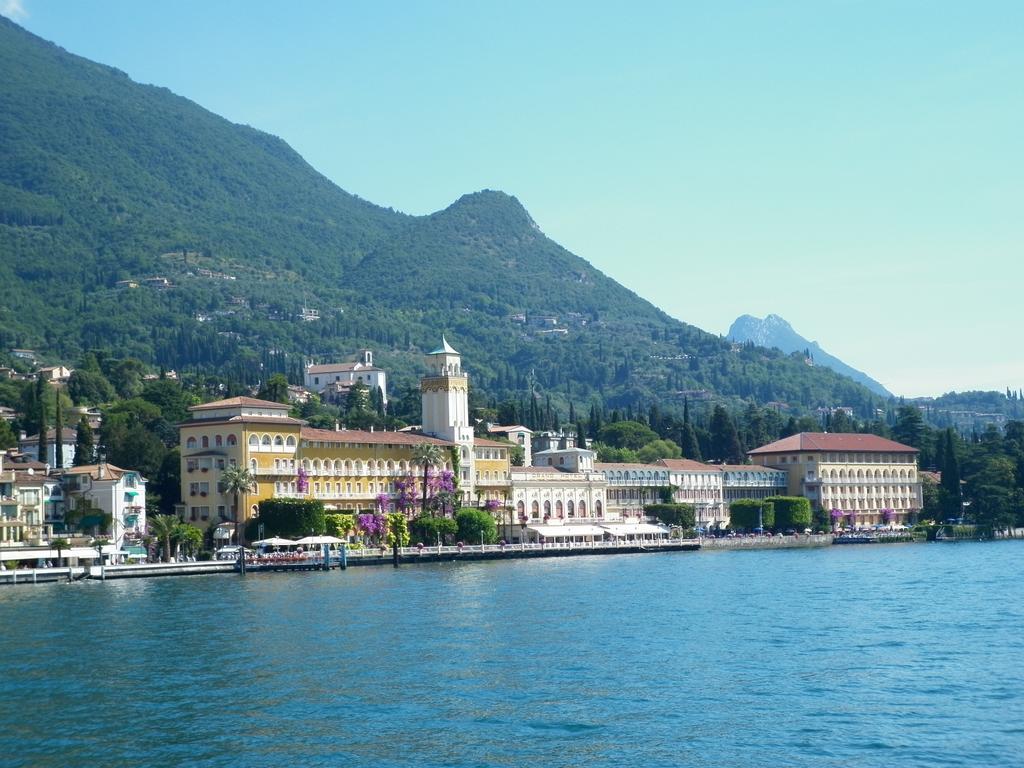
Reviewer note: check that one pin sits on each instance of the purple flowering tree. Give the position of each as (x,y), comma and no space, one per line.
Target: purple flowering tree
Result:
(373,526)
(405,495)
(441,492)
(888,515)
(302,481)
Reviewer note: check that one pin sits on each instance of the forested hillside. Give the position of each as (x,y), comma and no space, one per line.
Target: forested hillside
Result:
(103,180)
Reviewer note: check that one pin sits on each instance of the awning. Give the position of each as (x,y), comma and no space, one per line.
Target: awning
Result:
(85,553)
(636,529)
(133,494)
(566,531)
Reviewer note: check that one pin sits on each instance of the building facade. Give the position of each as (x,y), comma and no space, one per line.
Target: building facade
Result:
(861,480)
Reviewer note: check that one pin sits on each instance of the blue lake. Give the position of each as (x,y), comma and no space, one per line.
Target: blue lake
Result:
(888,655)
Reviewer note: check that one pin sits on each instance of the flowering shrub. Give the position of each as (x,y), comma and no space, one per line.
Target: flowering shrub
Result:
(302,481)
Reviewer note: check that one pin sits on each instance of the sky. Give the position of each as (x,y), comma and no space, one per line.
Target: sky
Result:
(856,167)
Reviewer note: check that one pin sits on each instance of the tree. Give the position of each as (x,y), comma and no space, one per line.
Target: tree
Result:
(749,514)
(791,512)
(86,387)
(658,449)
(398,529)
(952,495)
(188,537)
(44,449)
(291,517)
(275,389)
(60,545)
(58,434)
(627,434)
(475,525)
(84,450)
(7,437)
(725,441)
(164,527)
(678,515)
(909,428)
(427,455)
(239,482)
(339,525)
(429,530)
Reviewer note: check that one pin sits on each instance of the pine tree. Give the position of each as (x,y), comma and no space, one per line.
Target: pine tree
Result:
(83,443)
(725,442)
(44,447)
(58,435)
(951,478)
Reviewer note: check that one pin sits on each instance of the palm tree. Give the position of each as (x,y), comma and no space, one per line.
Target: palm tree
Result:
(60,545)
(163,527)
(237,481)
(427,454)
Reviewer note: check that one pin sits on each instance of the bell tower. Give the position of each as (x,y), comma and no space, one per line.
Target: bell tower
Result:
(444,394)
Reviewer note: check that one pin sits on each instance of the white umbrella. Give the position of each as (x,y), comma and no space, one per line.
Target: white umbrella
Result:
(274,541)
(320,540)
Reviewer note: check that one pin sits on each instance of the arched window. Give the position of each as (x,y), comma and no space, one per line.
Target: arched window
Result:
(232,440)
(597,508)
(547,509)
(190,443)
(252,466)
(570,508)
(218,441)
(535,510)
(521,509)
(305,464)
(205,441)
(583,509)
(290,442)
(278,441)
(558,509)
(265,441)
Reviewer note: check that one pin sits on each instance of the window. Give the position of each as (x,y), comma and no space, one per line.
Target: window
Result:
(290,442)
(205,441)
(190,443)
(232,440)
(218,441)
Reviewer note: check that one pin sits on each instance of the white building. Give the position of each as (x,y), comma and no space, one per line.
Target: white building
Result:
(701,485)
(337,376)
(444,395)
(30,446)
(120,493)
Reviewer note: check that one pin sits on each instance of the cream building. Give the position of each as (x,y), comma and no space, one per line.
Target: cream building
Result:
(865,479)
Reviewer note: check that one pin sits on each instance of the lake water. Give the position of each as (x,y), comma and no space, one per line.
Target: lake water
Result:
(888,655)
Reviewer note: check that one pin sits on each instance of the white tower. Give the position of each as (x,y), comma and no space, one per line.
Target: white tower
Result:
(444,394)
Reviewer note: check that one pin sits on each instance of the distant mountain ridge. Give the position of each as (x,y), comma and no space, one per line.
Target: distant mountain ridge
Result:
(774,332)
(105,182)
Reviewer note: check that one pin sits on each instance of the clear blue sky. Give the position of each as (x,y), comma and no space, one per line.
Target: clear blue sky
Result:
(855,167)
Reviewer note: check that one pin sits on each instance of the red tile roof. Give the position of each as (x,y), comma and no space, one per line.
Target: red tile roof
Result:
(535,469)
(335,367)
(360,436)
(483,441)
(235,402)
(600,466)
(839,441)
(687,464)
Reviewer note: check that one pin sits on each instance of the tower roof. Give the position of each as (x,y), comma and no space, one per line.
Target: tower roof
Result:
(445,348)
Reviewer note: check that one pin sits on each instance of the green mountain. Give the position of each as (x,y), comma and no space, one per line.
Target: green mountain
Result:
(103,180)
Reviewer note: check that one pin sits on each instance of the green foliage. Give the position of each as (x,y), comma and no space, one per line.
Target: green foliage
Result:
(475,523)
(164,528)
(429,530)
(791,512)
(677,515)
(627,434)
(744,514)
(608,454)
(7,437)
(290,518)
(339,525)
(658,449)
(397,529)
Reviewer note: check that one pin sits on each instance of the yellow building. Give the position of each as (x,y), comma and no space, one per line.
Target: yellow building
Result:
(859,479)
(240,431)
(491,467)
(348,468)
